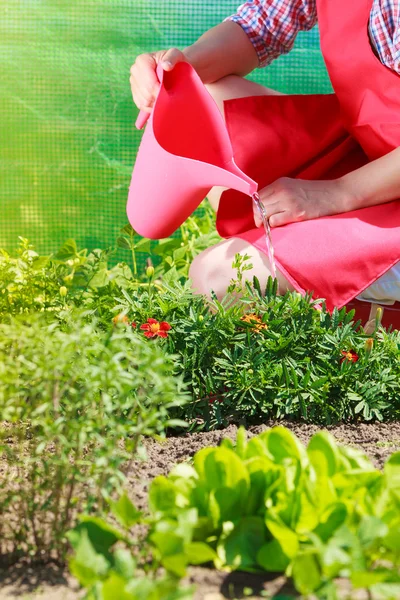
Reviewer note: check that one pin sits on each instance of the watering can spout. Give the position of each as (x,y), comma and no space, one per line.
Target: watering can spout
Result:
(237,180)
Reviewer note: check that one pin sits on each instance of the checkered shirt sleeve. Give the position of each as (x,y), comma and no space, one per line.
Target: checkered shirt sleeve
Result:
(272,25)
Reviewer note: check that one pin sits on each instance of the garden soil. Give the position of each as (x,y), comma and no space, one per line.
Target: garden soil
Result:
(46,582)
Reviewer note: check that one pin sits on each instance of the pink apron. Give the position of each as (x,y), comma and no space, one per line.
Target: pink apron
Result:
(323,137)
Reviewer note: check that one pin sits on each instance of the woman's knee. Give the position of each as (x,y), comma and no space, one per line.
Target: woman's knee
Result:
(204,274)
(213,271)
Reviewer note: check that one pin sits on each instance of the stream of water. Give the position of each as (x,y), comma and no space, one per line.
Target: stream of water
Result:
(267,229)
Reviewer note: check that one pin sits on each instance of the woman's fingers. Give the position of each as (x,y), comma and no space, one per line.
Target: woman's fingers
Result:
(144,81)
(171,58)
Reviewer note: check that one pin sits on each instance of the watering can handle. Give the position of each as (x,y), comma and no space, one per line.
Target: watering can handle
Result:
(143,115)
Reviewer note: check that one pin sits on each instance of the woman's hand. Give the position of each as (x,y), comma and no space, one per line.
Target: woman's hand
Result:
(290,200)
(144,82)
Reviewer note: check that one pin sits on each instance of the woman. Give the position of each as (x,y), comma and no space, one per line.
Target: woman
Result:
(328,166)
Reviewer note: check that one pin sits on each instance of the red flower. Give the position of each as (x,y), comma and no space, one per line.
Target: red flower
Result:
(133,325)
(349,356)
(153,328)
(215,398)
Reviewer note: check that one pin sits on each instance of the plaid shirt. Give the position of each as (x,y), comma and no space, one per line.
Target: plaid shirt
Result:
(272,26)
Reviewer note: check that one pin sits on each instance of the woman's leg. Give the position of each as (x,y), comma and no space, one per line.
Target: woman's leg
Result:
(228,88)
(212,269)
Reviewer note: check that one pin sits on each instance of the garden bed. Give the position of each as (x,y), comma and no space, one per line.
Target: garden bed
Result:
(40,582)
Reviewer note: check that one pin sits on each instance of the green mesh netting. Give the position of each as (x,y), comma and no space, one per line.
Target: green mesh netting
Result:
(67,141)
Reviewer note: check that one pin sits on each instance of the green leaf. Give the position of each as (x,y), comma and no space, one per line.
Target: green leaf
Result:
(175,564)
(386,591)
(272,558)
(364,579)
(392,471)
(87,565)
(123,242)
(242,545)
(115,588)
(166,541)
(101,535)
(258,469)
(128,229)
(100,278)
(68,250)
(324,454)
(241,442)
(224,505)
(198,553)
(283,445)
(306,572)
(162,495)
(40,262)
(143,245)
(166,246)
(125,511)
(287,538)
(334,559)
(222,468)
(370,530)
(331,519)
(124,563)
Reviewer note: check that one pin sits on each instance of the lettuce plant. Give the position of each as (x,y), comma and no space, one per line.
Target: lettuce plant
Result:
(270,504)
(110,562)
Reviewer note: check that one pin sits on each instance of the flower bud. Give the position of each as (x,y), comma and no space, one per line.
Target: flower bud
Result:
(68,278)
(201,318)
(378,316)
(63,291)
(369,344)
(149,272)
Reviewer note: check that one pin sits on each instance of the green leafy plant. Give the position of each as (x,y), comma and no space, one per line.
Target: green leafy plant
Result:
(110,562)
(271,356)
(172,256)
(270,504)
(74,403)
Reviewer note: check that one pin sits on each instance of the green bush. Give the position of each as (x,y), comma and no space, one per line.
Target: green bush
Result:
(74,403)
(286,360)
(270,504)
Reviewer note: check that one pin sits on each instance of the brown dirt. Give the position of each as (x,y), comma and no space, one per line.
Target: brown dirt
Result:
(25,582)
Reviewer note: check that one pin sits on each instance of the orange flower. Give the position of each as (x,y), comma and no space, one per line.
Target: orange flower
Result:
(254,320)
(349,356)
(118,319)
(154,328)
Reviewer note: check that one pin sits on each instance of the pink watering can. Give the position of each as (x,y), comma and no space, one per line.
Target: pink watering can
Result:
(184,152)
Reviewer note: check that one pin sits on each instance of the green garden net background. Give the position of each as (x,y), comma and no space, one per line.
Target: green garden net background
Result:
(67,136)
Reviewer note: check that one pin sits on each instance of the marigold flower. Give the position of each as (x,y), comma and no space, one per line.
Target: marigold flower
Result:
(215,398)
(349,356)
(155,328)
(254,320)
(120,318)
